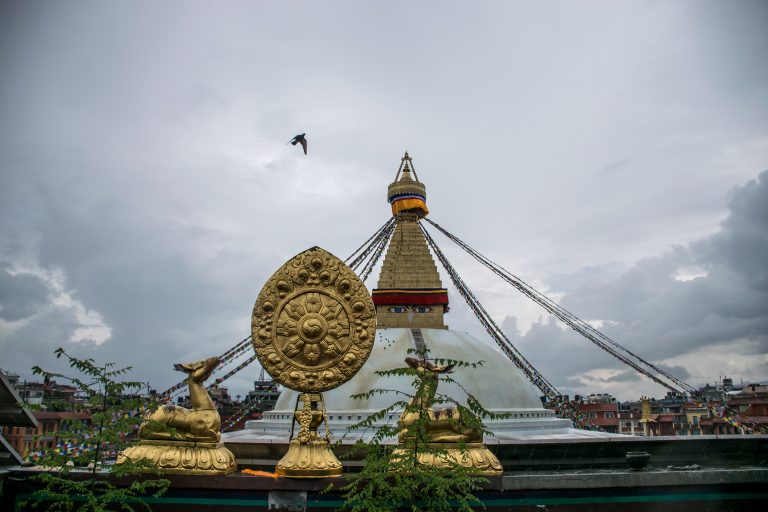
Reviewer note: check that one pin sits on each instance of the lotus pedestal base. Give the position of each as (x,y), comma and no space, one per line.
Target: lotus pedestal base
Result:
(313,459)
(474,456)
(183,457)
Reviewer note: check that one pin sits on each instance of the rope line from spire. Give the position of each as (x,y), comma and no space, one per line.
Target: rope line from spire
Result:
(367,246)
(244,342)
(232,371)
(226,358)
(385,238)
(375,244)
(493,329)
(601,340)
(369,253)
(238,415)
(735,417)
(565,408)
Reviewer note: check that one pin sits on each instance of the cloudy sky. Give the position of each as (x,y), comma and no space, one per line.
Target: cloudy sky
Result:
(613,154)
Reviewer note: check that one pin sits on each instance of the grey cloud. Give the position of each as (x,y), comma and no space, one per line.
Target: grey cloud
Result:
(659,317)
(34,343)
(627,376)
(676,371)
(170,286)
(742,244)
(614,166)
(573,383)
(21,294)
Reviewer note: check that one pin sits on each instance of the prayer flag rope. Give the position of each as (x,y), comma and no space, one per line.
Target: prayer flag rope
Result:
(226,358)
(233,371)
(239,415)
(367,254)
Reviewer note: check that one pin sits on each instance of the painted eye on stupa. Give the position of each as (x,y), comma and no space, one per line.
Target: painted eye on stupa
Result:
(422,309)
(398,309)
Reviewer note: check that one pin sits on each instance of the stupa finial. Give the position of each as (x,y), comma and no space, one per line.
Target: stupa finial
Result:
(407,194)
(409,292)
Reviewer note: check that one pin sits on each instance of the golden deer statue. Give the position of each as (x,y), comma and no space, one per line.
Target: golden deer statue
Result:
(452,440)
(185,441)
(445,424)
(201,423)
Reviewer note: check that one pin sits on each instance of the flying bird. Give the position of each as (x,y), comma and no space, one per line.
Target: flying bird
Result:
(299,139)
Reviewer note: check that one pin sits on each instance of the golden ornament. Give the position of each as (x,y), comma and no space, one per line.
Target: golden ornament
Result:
(313,323)
(313,328)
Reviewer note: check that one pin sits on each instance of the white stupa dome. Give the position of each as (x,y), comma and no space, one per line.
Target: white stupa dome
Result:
(499,386)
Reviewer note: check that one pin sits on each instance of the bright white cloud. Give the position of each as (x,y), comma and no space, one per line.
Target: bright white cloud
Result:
(688,273)
(90,324)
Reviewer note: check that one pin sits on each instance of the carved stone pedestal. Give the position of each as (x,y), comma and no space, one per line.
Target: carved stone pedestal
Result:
(474,456)
(183,457)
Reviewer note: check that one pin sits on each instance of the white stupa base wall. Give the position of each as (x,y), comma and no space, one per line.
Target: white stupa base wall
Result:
(498,384)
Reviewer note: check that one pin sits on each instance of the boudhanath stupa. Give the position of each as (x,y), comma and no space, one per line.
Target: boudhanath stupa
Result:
(411,305)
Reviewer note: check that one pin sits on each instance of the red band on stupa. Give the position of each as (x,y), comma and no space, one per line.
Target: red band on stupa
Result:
(410,297)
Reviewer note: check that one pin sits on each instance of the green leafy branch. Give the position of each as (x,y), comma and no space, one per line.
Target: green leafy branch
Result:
(115,415)
(393,474)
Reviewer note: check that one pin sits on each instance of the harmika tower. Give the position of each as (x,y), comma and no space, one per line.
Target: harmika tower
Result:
(410,293)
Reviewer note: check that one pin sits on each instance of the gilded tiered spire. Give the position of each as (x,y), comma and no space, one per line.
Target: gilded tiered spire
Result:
(409,293)
(406,194)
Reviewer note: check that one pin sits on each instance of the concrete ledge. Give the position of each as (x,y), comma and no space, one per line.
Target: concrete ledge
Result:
(706,490)
(633,479)
(572,454)
(535,481)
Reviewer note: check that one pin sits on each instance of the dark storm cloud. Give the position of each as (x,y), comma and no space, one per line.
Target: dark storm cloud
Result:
(34,343)
(676,371)
(742,244)
(659,316)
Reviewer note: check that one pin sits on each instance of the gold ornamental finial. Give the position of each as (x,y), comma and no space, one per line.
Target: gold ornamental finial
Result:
(406,165)
(406,193)
(405,175)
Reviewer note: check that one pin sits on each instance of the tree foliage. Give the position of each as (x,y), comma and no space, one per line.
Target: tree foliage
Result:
(393,478)
(78,472)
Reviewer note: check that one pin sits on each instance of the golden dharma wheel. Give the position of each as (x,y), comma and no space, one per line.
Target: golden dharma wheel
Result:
(314,322)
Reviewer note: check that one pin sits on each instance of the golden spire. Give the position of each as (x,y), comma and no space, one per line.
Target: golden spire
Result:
(407,194)
(409,293)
